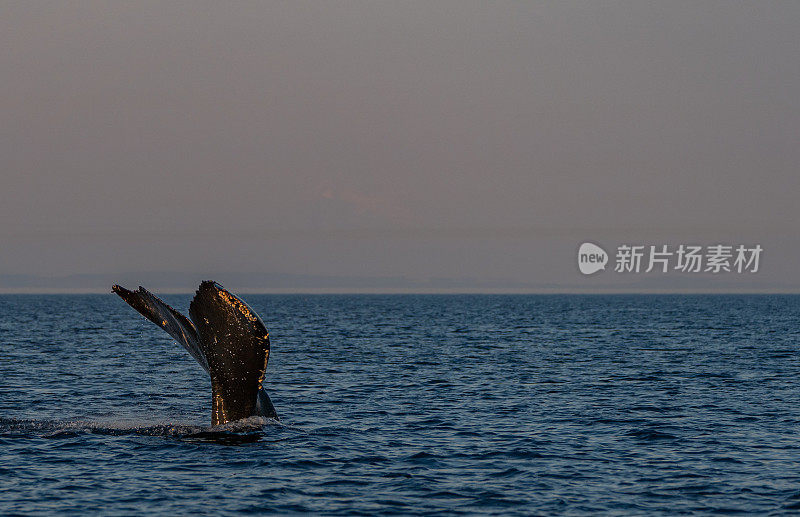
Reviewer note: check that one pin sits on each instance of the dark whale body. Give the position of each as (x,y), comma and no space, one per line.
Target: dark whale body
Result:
(226,337)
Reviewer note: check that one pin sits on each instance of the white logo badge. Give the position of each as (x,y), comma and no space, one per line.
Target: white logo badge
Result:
(591,258)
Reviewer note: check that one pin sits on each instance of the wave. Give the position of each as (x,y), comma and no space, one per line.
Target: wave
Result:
(247,430)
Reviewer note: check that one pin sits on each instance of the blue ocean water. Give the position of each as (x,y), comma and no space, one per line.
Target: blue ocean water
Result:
(412,405)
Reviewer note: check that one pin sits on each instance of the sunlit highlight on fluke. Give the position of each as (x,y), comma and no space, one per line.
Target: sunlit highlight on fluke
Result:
(226,337)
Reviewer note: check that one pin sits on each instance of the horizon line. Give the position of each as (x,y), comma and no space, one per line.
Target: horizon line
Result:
(413,291)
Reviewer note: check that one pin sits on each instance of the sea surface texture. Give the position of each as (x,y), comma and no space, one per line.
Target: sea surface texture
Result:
(405,404)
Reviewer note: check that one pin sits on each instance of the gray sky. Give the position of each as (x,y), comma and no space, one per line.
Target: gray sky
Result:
(450,139)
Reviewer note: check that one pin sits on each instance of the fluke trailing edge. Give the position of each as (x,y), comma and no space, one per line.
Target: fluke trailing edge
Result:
(226,337)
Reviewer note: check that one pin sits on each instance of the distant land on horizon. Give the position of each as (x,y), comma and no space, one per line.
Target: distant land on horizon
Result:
(186,282)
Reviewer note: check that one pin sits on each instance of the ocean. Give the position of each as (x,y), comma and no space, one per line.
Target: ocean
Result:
(412,404)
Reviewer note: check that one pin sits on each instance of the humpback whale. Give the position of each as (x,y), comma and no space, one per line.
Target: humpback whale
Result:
(226,337)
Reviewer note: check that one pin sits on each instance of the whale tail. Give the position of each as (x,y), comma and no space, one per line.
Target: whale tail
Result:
(226,337)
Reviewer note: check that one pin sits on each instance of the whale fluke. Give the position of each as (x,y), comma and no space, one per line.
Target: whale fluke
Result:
(226,337)
(173,322)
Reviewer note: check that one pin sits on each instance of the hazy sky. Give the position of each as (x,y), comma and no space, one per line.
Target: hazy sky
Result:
(423,139)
